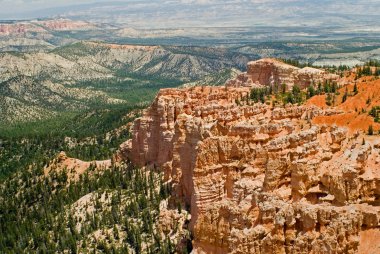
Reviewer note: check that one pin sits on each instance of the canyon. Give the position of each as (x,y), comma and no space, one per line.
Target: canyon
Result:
(260,177)
(37,86)
(190,127)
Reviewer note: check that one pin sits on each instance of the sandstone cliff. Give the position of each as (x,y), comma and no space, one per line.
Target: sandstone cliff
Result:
(259,179)
(265,72)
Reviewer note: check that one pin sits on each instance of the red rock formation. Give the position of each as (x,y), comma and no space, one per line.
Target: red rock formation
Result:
(74,167)
(65,24)
(20,28)
(273,72)
(260,179)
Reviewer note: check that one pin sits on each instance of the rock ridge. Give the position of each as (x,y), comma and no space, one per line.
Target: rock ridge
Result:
(273,72)
(258,178)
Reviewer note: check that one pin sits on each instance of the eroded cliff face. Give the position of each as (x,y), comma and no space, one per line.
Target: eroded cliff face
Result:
(265,72)
(259,179)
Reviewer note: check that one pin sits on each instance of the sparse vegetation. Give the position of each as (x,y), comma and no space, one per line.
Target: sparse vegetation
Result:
(375,113)
(259,94)
(373,62)
(296,63)
(295,96)
(372,67)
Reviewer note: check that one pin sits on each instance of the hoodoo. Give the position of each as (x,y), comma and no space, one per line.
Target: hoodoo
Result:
(262,178)
(190,127)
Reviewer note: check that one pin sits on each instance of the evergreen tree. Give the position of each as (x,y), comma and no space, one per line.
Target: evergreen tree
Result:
(370,130)
(296,94)
(283,88)
(355,91)
(328,99)
(310,91)
(319,90)
(344,98)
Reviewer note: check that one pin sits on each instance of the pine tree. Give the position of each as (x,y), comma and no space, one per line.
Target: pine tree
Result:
(344,98)
(370,130)
(297,96)
(283,88)
(310,91)
(355,91)
(328,99)
(319,90)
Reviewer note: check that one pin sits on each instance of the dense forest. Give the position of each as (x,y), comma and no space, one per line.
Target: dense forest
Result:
(120,214)
(90,135)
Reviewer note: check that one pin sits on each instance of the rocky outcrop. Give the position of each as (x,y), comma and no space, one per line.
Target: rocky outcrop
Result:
(16,29)
(23,27)
(74,168)
(272,72)
(65,25)
(259,179)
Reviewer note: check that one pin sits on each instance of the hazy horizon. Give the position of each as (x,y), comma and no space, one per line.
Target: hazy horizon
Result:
(360,14)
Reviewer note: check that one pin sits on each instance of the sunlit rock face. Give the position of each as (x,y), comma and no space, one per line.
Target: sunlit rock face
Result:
(272,72)
(258,178)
